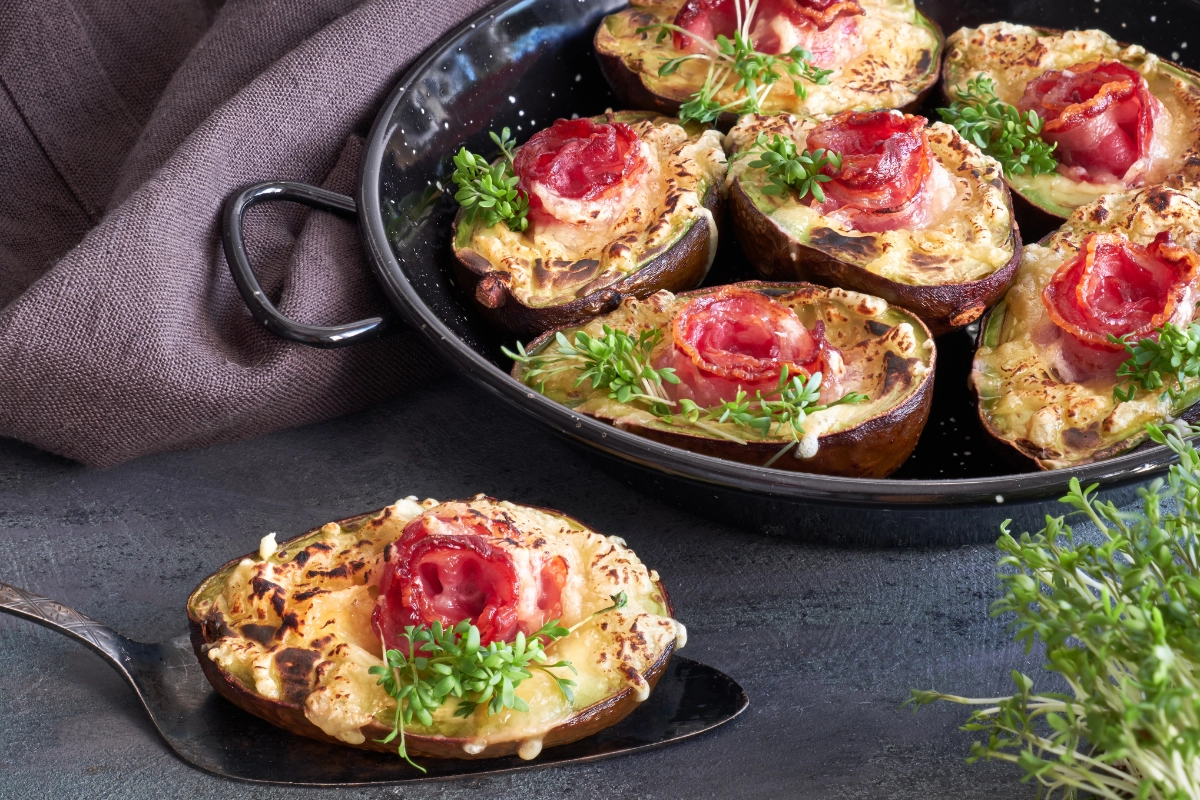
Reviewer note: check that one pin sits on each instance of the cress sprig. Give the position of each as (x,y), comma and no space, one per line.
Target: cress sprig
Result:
(1119,615)
(735,63)
(787,170)
(998,129)
(450,662)
(615,361)
(620,363)
(1173,356)
(788,405)
(489,191)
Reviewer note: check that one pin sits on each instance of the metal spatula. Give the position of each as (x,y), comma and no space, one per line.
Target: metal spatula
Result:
(216,736)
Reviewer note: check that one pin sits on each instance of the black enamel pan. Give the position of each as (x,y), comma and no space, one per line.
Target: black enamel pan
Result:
(525,63)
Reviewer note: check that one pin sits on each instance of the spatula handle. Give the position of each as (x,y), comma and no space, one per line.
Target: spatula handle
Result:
(65,620)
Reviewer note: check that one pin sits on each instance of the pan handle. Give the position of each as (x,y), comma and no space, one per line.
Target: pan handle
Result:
(247,283)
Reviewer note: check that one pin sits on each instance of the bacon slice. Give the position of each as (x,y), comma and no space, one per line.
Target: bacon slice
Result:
(577,165)
(826,28)
(1101,115)
(1121,288)
(888,180)
(448,567)
(735,338)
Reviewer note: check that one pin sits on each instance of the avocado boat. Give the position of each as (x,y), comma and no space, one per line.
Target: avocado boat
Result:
(1044,373)
(621,204)
(1120,117)
(881,53)
(915,215)
(735,354)
(291,633)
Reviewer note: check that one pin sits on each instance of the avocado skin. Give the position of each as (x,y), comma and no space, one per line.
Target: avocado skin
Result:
(290,715)
(776,255)
(875,448)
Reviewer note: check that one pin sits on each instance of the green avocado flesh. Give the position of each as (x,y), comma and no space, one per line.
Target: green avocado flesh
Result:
(1038,400)
(900,58)
(544,272)
(872,337)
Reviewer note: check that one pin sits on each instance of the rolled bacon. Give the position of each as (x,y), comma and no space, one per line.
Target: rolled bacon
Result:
(576,160)
(1115,286)
(1101,115)
(888,180)
(448,566)
(737,338)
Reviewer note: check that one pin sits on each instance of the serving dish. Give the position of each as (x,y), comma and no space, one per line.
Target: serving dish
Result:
(525,62)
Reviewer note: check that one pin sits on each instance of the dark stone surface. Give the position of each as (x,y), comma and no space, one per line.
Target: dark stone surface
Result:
(826,641)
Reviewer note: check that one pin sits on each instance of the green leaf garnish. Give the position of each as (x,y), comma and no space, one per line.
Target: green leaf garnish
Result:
(1173,356)
(489,191)
(789,171)
(1119,615)
(998,129)
(450,662)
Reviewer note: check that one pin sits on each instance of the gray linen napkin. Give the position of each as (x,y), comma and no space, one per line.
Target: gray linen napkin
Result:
(124,124)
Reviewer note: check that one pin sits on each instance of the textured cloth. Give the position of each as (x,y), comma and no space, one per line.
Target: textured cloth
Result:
(124,125)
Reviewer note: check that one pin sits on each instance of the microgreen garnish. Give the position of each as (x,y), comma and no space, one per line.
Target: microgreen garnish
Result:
(615,361)
(1119,615)
(998,129)
(619,363)
(793,400)
(734,63)
(789,171)
(450,662)
(489,191)
(1175,355)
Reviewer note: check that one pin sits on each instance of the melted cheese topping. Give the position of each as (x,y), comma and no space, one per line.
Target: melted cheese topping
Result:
(894,59)
(1019,370)
(969,242)
(317,596)
(845,315)
(615,238)
(1013,55)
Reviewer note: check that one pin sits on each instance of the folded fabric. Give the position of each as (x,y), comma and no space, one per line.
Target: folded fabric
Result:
(124,125)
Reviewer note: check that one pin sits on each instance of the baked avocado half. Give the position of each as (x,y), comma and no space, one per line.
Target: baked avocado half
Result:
(1048,400)
(654,226)
(291,633)
(1014,56)
(726,347)
(948,270)
(887,54)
